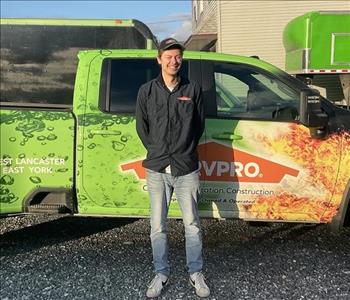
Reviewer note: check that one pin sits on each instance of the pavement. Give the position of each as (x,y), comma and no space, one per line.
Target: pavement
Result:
(64,257)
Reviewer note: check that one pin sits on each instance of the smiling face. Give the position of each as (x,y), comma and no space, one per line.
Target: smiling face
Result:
(170,62)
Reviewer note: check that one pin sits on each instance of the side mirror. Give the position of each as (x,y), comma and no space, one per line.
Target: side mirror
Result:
(311,114)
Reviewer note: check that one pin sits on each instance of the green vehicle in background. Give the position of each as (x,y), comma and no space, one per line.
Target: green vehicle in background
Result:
(39,60)
(317,46)
(273,149)
(39,57)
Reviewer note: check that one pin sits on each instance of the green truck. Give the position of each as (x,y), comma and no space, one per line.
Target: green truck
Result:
(317,46)
(273,149)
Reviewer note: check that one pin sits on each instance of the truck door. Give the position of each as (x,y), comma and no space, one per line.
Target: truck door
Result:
(111,178)
(108,139)
(258,162)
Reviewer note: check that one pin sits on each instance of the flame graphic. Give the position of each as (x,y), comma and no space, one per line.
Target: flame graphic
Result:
(320,160)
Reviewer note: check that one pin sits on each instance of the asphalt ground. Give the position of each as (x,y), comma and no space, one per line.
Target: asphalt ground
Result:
(51,257)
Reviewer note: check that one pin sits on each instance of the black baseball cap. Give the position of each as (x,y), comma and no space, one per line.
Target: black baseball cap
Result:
(170,43)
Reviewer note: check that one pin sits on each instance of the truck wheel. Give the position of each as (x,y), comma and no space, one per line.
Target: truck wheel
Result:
(342,218)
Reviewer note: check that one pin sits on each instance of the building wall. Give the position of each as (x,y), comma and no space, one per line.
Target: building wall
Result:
(206,19)
(256,27)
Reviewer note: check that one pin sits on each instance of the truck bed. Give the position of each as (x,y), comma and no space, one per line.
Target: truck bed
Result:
(37,152)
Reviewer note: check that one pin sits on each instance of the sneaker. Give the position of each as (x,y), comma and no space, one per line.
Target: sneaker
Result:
(156,285)
(197,280)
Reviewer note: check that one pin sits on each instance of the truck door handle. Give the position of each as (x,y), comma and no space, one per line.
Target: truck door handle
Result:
(105,132)
(227,136)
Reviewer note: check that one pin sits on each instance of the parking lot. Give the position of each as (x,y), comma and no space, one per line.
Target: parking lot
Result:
(50,257)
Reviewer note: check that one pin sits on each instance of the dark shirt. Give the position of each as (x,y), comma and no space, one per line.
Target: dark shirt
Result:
(170,124)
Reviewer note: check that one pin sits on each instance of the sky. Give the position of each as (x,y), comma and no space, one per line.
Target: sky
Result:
(164,17)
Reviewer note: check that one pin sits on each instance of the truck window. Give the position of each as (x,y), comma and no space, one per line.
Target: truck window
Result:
(126,77)
(245,91)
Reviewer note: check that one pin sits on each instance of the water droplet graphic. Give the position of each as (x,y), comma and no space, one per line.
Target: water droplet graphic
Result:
(125,120)
(92,146)
(107,123)
(6,196)
(117,146)
(124,139)
(82,197)
(30,125)
(21,155)
(115,118)
(28,135)
(12,139)
(35,179)
(6,180)
(92,106)
(51,154)
(41,138)
(80,147)
(3,190)
(118,204)
(50,128)
(51,137)
(62,170)
(6,156)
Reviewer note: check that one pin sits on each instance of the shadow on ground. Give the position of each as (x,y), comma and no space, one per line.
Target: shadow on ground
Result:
(61,229)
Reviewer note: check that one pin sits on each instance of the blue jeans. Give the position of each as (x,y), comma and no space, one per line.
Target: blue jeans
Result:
(160,189)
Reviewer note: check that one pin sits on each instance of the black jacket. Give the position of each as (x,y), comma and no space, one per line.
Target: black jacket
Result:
(170,125)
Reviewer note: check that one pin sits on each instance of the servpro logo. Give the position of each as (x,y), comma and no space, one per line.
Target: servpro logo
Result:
(222,163)
(234,169)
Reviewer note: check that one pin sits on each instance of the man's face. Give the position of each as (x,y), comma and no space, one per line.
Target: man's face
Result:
(170,61)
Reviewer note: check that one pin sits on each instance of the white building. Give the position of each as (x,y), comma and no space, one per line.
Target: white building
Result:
(249,27)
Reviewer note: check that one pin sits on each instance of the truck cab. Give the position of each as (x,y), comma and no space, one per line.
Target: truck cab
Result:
(273,149)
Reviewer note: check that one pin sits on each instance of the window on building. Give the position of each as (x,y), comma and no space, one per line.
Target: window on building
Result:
(195,13)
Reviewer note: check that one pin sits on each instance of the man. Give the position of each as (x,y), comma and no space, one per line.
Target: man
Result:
(170,122)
